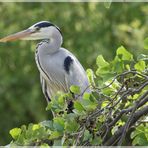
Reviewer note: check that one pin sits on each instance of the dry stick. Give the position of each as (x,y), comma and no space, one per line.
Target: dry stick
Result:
(129,110)
(130,92)
(126,93)
(110,114)
(79,136)
(105,133)
(94,114)
(126,127)
(136,116)
(141,101)
(97,112)
(145,100)
(123,74)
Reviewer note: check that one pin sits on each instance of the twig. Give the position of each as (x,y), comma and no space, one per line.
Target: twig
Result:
(121,75)
(126,111)
(124,95)
(131,92)
(141,101)
(126,127)
(79,136)
(106,132)
(118,133)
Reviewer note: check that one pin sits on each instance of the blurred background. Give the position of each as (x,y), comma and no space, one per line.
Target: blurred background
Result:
(89,29)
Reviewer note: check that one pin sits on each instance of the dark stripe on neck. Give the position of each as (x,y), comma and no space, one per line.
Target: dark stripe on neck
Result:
(41,67)
(43,41)
(46,94)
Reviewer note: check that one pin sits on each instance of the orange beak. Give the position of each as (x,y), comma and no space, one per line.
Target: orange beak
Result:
(16,36)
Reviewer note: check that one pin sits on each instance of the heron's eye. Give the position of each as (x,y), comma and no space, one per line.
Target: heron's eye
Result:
(37,28)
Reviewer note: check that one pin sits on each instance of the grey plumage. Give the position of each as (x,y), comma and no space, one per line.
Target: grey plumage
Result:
(54,74)
(59,68)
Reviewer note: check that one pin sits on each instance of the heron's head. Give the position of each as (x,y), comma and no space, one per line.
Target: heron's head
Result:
(38,31)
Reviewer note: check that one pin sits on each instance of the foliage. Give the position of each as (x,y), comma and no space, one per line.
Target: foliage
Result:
(113,114)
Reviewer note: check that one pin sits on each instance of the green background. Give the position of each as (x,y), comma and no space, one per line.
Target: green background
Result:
(89,29)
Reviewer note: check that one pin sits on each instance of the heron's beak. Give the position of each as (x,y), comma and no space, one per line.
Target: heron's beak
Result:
(16,36)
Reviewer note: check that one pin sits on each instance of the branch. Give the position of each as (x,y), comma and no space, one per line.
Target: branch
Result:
(141,103)
(118,133)
(97,112)
(131,92)
(126,127)
(123,74)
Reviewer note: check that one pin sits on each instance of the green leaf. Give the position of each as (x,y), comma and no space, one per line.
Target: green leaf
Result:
(48,123)
(78,106)
(104,69)
(75,89)
(140,135)
(54,135)
(101,118)
(71,126)
(49,106)
(101,62)
(87,135)
(96,141)
(127,66)
(104,103)
(44,145)
(86,96)
(123,54)
(146,43)
(91,76)
(135,133)
(58,123)
(140,140)
(140,66)
(114,129)
(117,65)
(89,104)
(106,76)
(35,127)
(21,139)
(15,132)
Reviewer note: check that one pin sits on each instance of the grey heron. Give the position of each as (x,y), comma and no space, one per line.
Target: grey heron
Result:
(59,69)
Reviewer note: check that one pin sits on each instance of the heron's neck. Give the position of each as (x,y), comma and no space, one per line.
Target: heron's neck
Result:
(50,46)
(55,42)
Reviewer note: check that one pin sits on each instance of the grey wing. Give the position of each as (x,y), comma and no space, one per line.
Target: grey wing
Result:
(75,73)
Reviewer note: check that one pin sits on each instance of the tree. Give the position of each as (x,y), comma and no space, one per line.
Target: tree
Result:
(114,114)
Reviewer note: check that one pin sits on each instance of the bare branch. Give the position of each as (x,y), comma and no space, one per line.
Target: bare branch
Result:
(126,127)
(142,102)
(136,116)
(122,75)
